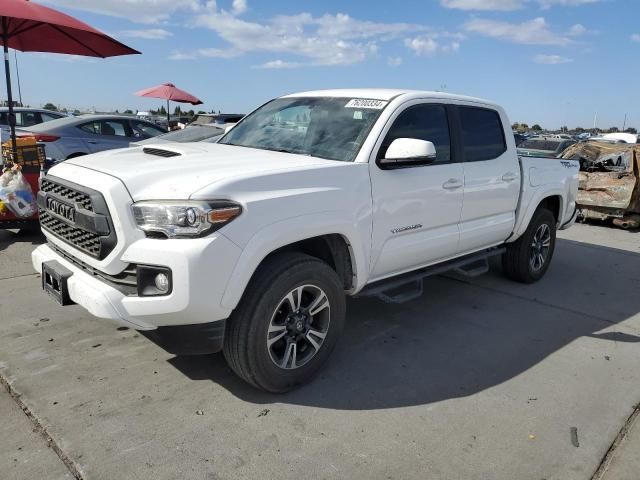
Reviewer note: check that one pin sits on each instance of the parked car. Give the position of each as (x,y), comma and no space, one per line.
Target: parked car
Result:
(550,147)
(73,137)
(26,117)
(218,118)
(193,133)
(250,245)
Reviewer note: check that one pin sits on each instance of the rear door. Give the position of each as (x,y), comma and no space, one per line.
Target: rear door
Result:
(416,210)
(106,134)
(491,178)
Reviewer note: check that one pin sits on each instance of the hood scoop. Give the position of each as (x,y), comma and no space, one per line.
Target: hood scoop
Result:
(160,152)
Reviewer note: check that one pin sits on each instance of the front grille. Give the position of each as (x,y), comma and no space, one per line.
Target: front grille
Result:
(66,193)
(89,228)
(86,241)
(125,281)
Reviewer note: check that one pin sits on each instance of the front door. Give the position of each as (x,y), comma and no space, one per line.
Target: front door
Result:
(416,210)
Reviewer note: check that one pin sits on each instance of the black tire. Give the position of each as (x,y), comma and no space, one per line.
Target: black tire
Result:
(517,261)
(247,332)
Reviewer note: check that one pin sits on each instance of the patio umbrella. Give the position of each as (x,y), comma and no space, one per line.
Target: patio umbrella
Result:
(168,91)
(30,27)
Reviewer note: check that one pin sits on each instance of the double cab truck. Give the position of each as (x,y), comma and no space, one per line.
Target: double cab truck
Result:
(252,244)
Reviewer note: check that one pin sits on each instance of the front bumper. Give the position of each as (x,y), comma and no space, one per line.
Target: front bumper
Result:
(200,269)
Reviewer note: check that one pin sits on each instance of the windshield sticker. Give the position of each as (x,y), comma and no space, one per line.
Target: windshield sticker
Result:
(357,115)
(366,103)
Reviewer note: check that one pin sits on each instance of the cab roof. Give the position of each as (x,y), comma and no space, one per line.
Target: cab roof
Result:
(387,94)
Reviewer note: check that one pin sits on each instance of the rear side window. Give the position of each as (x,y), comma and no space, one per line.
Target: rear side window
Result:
(482,134)
(422,122)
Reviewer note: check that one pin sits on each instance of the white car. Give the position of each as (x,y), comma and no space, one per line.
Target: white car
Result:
(251,245)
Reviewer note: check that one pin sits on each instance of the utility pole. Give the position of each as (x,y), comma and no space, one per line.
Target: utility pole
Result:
(624,124)
(595,120)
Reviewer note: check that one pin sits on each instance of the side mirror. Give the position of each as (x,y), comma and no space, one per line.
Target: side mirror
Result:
(408,152)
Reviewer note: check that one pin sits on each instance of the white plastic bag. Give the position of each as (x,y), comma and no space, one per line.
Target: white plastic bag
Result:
(16,194)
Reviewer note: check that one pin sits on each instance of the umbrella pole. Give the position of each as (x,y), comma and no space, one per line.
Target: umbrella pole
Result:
(168,117)
(7,71)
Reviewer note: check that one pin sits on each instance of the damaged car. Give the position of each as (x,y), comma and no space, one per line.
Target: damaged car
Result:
(609,187)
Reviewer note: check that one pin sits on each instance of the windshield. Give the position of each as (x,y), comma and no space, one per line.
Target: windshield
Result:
(325,127)
(193,133)
(537,144)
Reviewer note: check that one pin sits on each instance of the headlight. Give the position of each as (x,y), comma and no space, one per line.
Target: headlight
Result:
(180,219)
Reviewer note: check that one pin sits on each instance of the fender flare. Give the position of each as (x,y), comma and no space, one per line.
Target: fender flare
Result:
(533,202)
(292,230)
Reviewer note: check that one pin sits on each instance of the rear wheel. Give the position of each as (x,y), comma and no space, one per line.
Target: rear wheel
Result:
(287,323)
(527,259)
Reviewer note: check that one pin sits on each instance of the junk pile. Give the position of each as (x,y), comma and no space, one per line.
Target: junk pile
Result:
(609,181)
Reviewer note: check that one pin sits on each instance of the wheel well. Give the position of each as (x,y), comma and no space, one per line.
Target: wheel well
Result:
(332,249)
(553,205)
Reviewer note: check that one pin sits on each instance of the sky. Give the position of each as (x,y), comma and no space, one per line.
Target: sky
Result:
(551,62)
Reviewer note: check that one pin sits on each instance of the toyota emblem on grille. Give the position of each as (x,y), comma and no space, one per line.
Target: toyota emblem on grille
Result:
(61,209)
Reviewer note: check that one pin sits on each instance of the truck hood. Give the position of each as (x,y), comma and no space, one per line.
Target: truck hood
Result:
(149,175)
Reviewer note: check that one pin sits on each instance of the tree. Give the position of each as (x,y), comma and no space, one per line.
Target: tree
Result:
(50,106)
(536,127)
(631,130)
(162,110)
(515,126)
(128,112)
(579,129)
(177,111)
(613,130)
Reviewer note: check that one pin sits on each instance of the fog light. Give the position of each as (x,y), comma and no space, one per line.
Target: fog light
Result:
(153,281)
(162,282)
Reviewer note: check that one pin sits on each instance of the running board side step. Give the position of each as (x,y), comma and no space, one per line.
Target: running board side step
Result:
(409,286)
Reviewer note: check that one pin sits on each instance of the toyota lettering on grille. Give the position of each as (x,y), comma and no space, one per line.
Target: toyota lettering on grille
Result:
(61,209)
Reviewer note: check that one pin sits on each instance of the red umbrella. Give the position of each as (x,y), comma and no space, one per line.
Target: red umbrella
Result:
(169,91)
(30,27)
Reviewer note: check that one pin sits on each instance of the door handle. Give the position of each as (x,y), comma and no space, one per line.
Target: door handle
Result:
(452,184)
(509,177)
(92,141)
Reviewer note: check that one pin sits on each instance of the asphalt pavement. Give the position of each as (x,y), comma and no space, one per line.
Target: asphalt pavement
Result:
(477,379)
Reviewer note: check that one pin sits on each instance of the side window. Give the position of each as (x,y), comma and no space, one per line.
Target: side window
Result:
(114,128)
(482,134)
(47,117)
(91,127)
(422,122)
(26,119)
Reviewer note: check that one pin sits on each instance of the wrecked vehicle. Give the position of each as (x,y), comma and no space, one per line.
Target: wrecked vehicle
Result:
(609,187)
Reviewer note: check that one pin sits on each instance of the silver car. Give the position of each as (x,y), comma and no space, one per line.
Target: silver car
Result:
(193,133)
(72,137)
(26,117)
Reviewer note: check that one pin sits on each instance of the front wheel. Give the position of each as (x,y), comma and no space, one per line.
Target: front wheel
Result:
(527,259)
(287,323)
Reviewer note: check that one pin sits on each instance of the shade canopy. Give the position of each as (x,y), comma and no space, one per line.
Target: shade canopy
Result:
(30,27)
(168,91)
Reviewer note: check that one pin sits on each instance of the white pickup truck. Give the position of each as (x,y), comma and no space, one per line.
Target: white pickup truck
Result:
(251,245)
